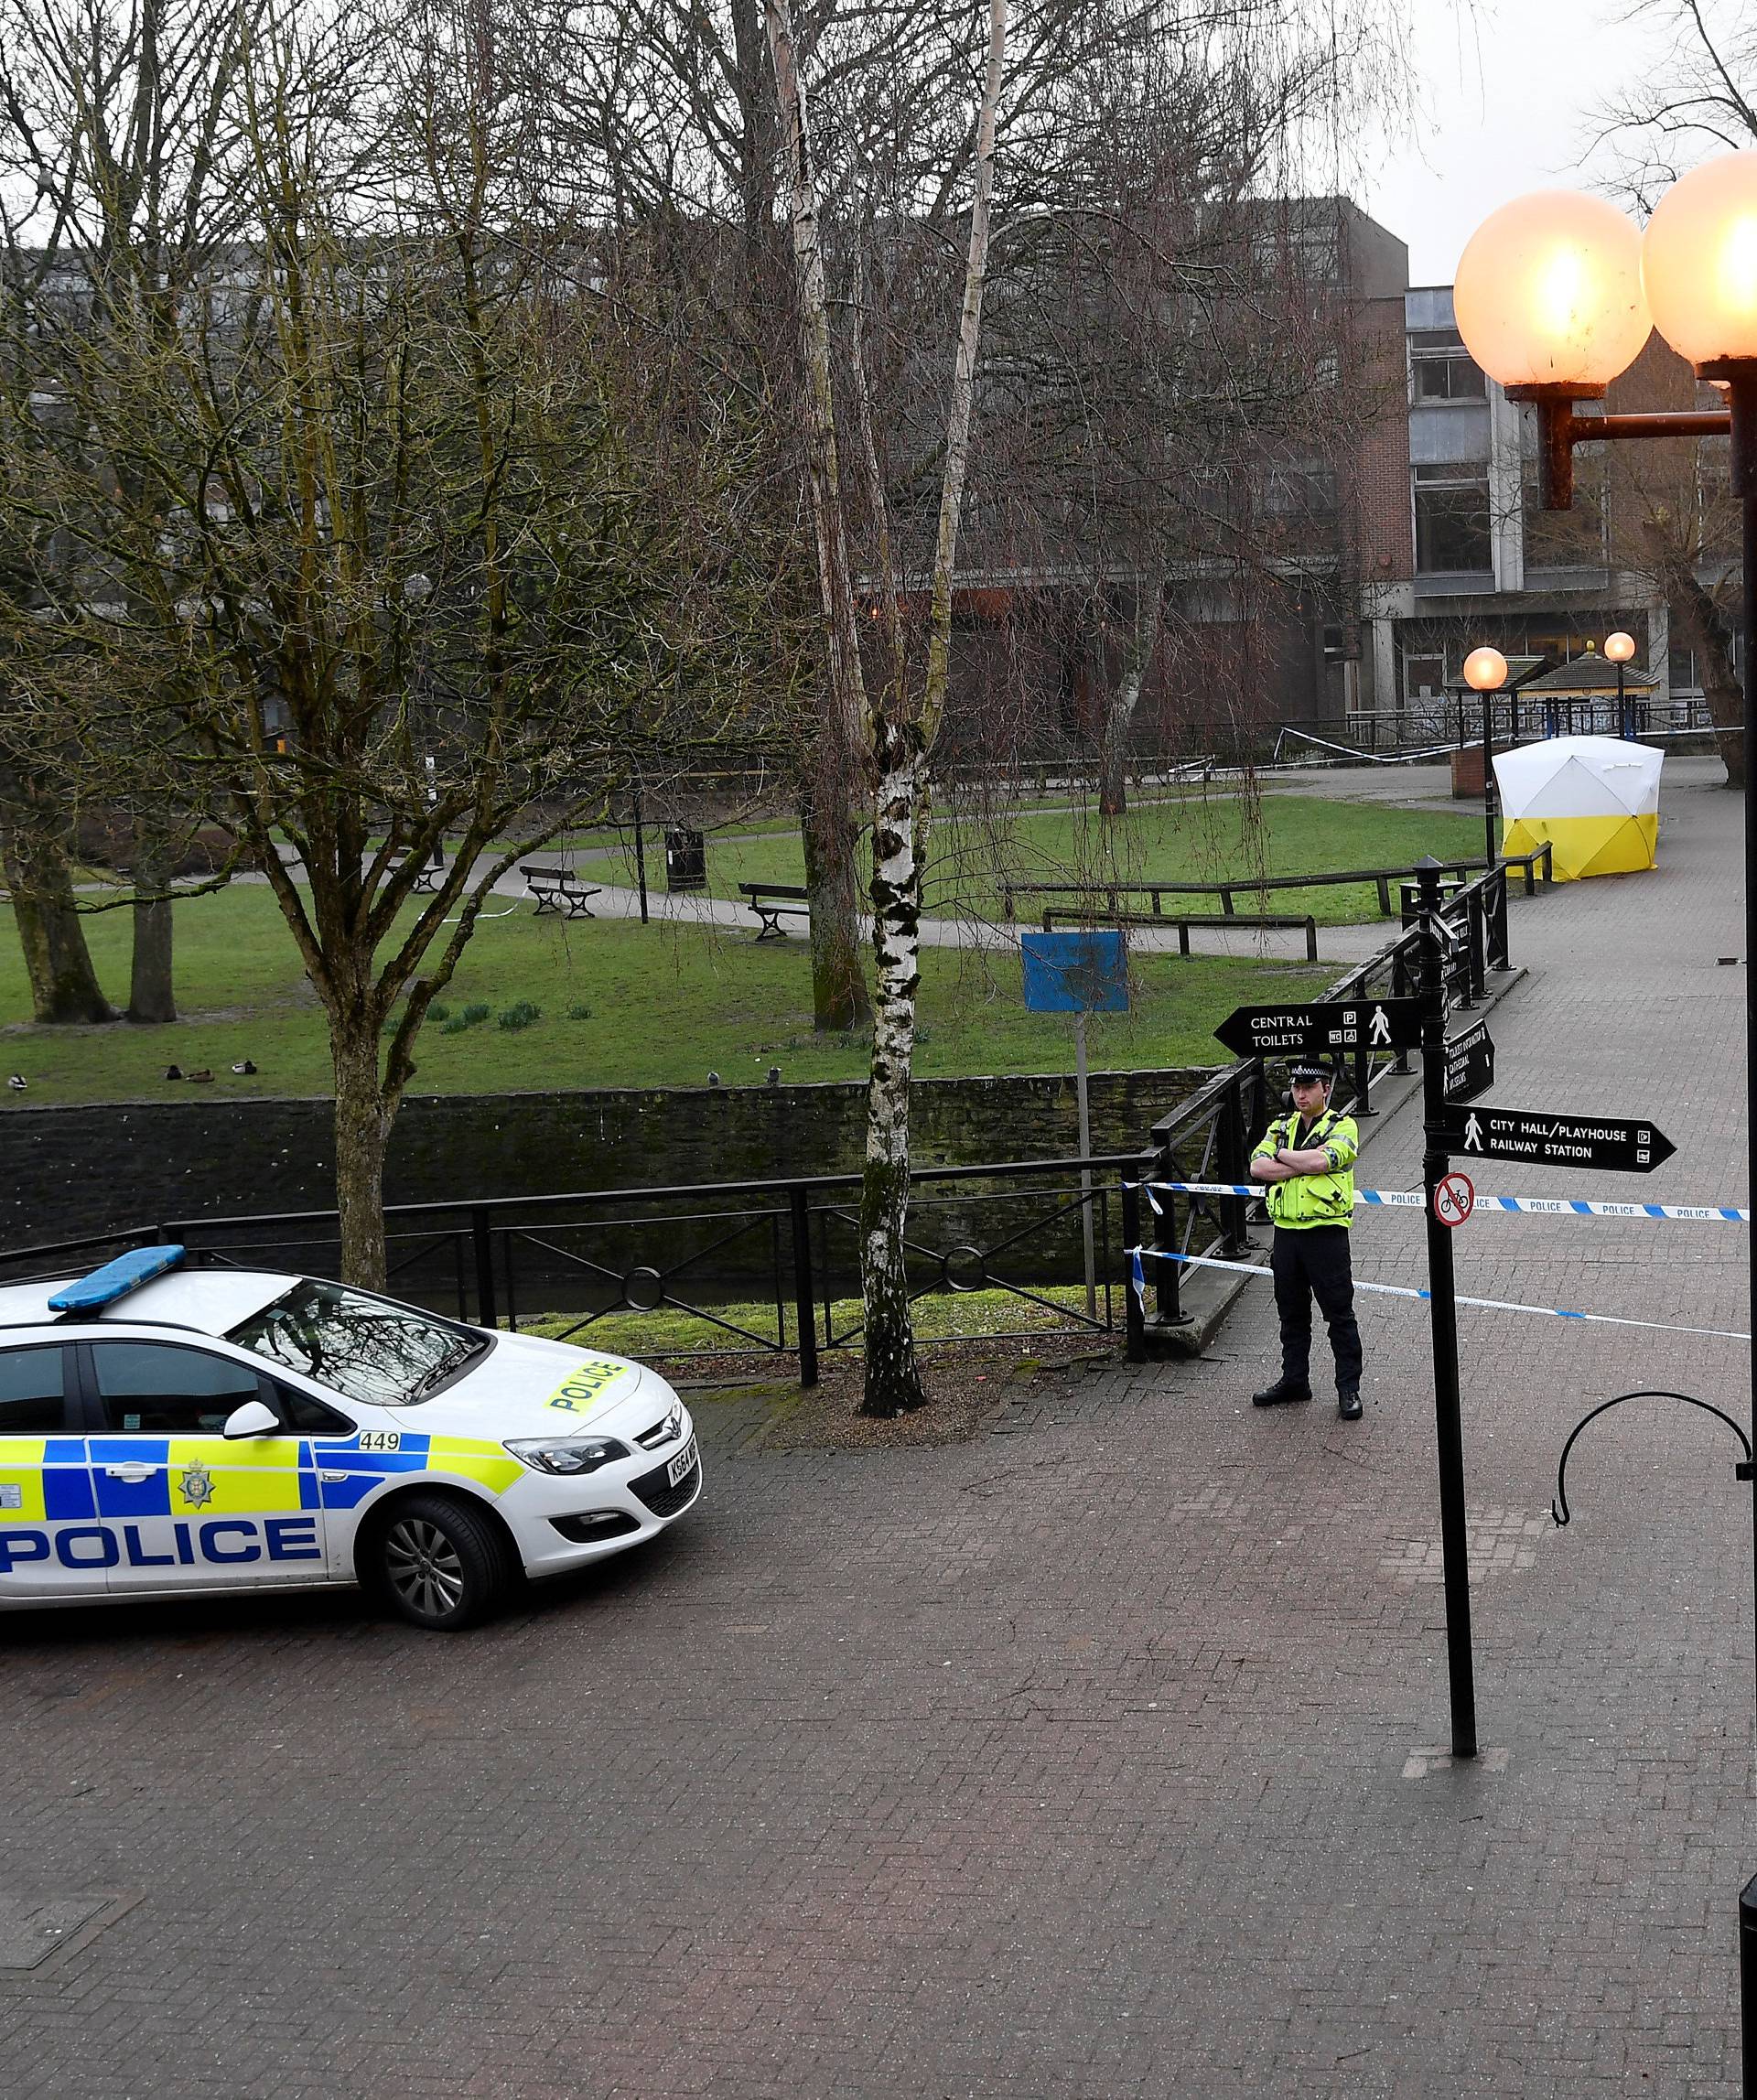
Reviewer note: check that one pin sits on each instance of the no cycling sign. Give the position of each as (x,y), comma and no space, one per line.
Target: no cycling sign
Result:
(1454,1199)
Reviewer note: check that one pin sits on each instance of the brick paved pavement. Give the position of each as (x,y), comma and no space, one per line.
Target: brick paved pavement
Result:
(1101,1757)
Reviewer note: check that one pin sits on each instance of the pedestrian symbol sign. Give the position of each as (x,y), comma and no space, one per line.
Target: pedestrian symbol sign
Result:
(1336,1025)
(1543,1139)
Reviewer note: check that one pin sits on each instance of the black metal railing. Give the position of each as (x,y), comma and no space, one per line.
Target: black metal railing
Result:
(1209,1136)
(713,1252)
(1432,724)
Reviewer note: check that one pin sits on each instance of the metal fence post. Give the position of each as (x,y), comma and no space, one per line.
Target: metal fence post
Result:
(487,1314)
(1500,954)
(1235,1161)
(1168,1305)
(1135,1310)
(805,1299)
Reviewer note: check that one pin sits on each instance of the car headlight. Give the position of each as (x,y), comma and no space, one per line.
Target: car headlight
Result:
(568,1454)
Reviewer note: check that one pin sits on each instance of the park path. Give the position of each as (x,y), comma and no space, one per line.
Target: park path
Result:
(1404,787)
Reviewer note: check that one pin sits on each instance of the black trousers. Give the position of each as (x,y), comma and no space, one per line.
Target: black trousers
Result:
(1314,1264)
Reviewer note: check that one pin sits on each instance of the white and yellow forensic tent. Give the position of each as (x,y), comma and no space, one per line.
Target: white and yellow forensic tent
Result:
(1595,799)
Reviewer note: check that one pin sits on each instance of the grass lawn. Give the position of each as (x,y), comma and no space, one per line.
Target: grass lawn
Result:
(667,1003)
(958,1315)
(1192,837)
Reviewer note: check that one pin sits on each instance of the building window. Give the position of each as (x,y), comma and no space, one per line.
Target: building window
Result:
(1452,519)
(1441,369)
(1570,539)
(1424,675)
(1300,490)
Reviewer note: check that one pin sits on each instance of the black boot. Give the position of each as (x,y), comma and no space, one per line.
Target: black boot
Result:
(1348,1403)
(1284,1390)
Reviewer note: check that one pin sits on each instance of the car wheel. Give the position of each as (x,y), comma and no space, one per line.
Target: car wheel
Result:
(437,1562)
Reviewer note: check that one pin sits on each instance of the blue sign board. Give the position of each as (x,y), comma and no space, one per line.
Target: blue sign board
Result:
(1075,973)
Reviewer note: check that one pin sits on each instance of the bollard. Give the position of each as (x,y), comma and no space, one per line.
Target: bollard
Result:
(1748,1983)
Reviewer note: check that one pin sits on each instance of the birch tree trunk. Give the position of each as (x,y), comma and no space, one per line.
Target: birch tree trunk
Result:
(838,983)
(1119,708)
(902,749)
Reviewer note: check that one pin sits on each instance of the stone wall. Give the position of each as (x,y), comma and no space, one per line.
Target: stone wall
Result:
(73,1171)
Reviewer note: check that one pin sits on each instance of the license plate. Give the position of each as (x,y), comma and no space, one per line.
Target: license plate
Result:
(681,1464)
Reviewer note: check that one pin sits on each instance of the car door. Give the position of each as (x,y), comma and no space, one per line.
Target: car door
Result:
(49,1545)
(189,1507)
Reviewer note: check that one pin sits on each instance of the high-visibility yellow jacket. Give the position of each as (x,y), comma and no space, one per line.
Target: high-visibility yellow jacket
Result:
(1312,1199)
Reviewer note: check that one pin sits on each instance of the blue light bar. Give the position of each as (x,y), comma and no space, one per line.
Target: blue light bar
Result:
(116,1279)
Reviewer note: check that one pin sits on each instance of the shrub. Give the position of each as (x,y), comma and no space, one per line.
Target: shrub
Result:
(577,1012)
(438,1013)
(454,1027)
(476,1010)
(520,1015)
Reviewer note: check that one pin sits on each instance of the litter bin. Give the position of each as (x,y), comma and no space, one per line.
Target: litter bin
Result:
(686,859)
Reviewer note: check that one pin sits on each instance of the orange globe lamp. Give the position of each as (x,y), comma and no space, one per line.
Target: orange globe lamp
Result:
(1548,293)
(1485,670)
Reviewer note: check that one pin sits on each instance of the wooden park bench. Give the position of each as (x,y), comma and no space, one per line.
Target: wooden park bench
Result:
(772,902)
(431,874)
(1230,921)
(559,890)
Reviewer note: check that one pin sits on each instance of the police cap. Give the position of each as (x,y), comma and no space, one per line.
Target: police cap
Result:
(1309,1068)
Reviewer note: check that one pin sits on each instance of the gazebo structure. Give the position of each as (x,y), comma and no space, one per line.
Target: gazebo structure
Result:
(1581,698)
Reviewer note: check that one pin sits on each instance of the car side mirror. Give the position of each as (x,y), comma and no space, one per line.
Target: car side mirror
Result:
(253,1419)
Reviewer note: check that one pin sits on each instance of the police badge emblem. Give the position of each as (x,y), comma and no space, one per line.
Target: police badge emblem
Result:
(196,1486)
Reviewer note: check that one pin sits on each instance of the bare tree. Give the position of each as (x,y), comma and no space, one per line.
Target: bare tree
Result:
(425,539)
(1697,96)
(898,735)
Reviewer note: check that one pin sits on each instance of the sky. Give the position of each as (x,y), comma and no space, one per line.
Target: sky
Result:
(1508,87)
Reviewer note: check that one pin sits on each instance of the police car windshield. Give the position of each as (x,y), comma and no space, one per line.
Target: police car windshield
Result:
(386,1355)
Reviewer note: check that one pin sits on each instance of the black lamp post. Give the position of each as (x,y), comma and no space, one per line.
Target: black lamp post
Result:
(1555,295)
(1619,647)
(1485,673)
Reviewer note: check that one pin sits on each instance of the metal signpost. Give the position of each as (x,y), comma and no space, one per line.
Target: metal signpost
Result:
(1078,974)
(1449,1433)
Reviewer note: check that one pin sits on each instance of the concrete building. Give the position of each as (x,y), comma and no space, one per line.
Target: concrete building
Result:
(1490,566)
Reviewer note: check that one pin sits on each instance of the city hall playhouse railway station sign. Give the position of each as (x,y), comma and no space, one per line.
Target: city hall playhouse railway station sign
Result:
(1545,1139)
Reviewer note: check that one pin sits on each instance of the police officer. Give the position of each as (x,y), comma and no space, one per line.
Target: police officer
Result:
(1307,1158)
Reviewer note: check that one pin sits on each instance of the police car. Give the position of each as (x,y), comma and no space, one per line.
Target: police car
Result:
(166,1430)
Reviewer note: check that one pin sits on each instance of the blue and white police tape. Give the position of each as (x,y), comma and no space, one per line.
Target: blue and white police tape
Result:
(1138,1275)
(1532,1206)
